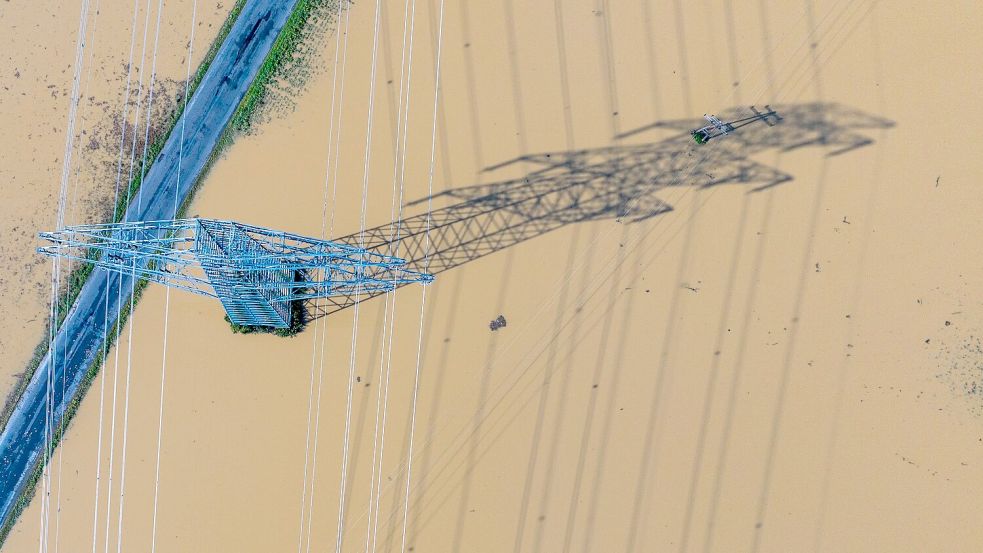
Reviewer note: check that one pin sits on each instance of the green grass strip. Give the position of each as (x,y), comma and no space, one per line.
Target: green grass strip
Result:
(90,375)
(280,54)
(78,276)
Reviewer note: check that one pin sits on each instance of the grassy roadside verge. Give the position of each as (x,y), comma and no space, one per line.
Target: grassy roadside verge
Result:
(281,53)
(31,486)
(78,276)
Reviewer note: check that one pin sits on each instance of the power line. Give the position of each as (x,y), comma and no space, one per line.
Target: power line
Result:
(167,296)
(351,368)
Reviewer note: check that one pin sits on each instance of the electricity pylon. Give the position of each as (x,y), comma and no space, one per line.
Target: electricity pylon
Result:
(255,272)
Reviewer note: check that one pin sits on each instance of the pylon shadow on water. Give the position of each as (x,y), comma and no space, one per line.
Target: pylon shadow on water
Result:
(616,182)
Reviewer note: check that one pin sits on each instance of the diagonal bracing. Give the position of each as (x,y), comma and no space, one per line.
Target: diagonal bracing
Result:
(255,272)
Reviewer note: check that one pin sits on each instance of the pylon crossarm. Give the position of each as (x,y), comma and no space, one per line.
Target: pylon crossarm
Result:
(117,255)
(149,272)
(117,252)
(347,289)
(379,282)
(271,261)
(255,272)
(323,254)
(164,239)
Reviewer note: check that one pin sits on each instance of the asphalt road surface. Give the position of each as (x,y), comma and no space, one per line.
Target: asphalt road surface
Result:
(81,336)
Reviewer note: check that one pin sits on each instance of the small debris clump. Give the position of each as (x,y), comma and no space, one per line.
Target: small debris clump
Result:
(497,323)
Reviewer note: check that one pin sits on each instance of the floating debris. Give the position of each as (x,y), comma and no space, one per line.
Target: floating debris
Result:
(497,323)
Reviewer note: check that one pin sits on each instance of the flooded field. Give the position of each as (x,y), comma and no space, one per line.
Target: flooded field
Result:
(769,368)
(37,74)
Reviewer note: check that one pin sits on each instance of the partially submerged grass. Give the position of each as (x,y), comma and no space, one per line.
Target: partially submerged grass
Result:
(79,275)
(57,433)
(281,53)
(297,323)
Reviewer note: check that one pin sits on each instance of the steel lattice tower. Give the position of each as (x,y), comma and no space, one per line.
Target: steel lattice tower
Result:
(255,272)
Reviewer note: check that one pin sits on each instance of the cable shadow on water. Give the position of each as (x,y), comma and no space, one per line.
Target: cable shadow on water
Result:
(535,443)
(612,389)
(439,372)
(614,182)
(713,373)
(397,480)
(363,407)
(587,427)
(854,304)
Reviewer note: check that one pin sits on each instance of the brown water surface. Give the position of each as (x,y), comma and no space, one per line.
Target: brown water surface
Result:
(794,369)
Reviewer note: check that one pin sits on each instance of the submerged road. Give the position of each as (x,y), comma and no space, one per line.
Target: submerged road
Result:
(82,335)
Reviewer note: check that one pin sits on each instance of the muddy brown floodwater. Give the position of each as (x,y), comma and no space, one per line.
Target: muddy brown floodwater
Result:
(764,371)
(37,72)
